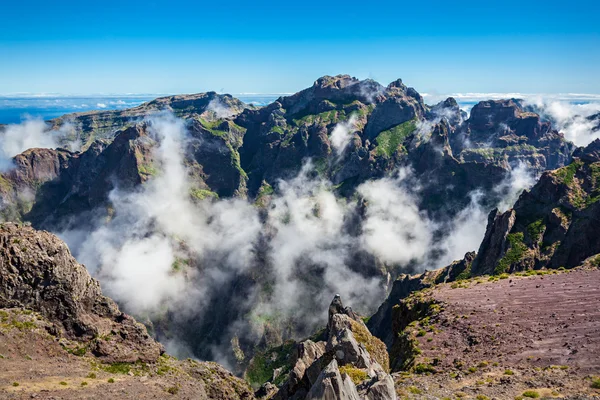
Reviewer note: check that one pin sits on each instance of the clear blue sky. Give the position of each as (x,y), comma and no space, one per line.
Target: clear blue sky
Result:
(445,46)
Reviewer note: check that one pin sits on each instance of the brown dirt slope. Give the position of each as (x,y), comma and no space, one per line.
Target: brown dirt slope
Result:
(501,337)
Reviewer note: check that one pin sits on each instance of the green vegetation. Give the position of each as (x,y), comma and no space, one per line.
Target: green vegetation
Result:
(324,117)
(63,383)
(595,383)
(84,383)
(388,141)
(472,369)
(179,264)
(508,372)
(111,380)
(535,230)
(374,346)
(91,375)
(5,185)
(514,253)
(356,374)
(415,390)
(264,363)
(464,275)
(213,127)
(116,368)
(532,394)
(421,332)
(424,369)
(567,174)
(147,169)
(277,129)
(78,351)
(15,384)
(201,194)
(482,397)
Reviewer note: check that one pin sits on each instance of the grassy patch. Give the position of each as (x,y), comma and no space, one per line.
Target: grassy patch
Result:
(147,169)
(595,383)
(388,141)
(535,230)
(415,390)
(374,346)
(424,369)
(514,253)
(201,194)
(532,394)
(116,368)
(264,363)
(567,174)
(356,374)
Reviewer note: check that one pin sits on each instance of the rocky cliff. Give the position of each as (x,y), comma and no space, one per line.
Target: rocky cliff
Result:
(551,227)
(344,361)
(62,337)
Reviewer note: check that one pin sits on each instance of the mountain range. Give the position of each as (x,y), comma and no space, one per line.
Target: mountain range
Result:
(227,229)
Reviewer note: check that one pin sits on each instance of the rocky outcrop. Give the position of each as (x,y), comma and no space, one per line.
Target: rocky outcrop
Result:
(350,364)
(50,300)
(503,129)
(38,273)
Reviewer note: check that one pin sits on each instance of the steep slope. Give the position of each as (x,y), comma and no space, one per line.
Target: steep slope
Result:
(59,331)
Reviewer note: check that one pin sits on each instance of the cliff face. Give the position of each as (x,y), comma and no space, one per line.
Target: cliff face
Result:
(53,315)
(553,225)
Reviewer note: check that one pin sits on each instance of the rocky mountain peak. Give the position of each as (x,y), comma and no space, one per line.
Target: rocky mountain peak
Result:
(349,363)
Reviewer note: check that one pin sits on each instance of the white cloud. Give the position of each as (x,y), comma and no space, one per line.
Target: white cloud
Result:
(342,134)
(394,228)
(32,133)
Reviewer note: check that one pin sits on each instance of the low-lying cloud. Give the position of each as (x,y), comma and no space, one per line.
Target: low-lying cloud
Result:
(32,133)
(571,119)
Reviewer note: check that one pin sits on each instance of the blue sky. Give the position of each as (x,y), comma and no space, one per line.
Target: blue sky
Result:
(273,47)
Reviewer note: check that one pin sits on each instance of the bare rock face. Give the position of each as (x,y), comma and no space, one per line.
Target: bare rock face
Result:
(38,272)
(493,244)
(331,385)
(352,364)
